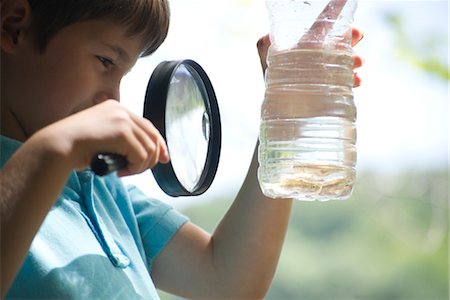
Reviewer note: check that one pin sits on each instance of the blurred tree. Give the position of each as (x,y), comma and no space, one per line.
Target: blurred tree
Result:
(423,55)
(389,241)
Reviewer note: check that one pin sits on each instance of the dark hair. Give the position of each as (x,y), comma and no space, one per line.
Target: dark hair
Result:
(147,18)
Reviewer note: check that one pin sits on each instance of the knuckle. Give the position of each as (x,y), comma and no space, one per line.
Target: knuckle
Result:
(147,122)
(124,133)
(142,155)
(120,116)
(151,148)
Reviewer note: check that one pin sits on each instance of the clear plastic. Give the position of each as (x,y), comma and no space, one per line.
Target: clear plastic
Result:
(308,133)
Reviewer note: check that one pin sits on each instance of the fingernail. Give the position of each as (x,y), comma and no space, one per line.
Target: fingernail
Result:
(166,157)
(362,36)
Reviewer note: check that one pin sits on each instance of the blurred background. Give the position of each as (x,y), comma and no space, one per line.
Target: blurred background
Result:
(390,240)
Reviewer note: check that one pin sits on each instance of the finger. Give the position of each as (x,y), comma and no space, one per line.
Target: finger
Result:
(136,154)
(357,36)
(324,22)
(152,148)
(164,156)
(137,157)
(358,61)
(263,47)
(151,132)
(332,10)
(356,80)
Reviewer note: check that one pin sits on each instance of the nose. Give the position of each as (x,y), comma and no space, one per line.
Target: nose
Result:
(106,94)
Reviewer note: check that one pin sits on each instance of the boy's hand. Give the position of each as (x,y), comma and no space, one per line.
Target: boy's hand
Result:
(264,43)
(109,127)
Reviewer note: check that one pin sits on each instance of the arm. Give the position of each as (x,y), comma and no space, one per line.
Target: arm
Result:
(240,258)
(249,239)
(30,182)
(32,179)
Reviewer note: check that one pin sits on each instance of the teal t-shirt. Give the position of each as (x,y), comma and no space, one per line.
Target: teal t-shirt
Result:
(97,242)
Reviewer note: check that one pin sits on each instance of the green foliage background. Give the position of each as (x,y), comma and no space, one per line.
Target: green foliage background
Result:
(389,241)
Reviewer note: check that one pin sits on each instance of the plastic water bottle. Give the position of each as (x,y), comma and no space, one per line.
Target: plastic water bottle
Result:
(308,134)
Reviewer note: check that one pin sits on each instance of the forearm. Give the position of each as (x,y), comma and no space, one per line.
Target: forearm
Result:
(239,260)
(30,182)
(248,241)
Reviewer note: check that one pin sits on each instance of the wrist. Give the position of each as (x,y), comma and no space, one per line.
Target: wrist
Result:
(53,148)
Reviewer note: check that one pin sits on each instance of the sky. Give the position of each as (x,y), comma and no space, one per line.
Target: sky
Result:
(403,113)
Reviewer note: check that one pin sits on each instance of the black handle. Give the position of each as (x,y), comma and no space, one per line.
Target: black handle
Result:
(105,163)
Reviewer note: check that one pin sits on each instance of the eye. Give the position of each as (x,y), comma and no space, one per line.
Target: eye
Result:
(106,62)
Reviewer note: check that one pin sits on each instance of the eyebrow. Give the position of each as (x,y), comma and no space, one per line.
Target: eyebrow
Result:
(123,55)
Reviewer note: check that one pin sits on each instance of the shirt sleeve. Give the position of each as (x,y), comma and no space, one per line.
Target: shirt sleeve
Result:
(158,222)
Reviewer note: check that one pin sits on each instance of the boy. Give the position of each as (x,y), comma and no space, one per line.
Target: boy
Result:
(69,234)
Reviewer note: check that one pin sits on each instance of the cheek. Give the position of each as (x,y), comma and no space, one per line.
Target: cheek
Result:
(61,90)
(72,84)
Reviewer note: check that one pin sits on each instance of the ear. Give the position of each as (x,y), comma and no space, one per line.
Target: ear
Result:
(15,22)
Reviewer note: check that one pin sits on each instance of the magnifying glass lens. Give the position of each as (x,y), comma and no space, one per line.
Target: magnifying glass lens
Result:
(180,101)
(187,126)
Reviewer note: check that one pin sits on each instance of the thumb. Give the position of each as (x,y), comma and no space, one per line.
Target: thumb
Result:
(164,153)
(263,47)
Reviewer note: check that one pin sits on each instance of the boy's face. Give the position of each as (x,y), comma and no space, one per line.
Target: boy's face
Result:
(82,65)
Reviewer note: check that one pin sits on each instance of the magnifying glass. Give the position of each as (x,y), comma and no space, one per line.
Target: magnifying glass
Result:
(181,103)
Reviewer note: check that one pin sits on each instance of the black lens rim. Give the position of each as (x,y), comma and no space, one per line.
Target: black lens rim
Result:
(155,111)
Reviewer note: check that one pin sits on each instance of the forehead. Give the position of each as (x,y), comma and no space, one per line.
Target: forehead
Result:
(106,34)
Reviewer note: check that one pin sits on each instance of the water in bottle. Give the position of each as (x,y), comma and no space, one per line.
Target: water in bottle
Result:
(308,134)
